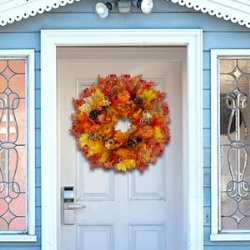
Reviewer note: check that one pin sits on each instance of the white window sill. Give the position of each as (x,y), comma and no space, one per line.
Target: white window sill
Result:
(230,237)
(18,238)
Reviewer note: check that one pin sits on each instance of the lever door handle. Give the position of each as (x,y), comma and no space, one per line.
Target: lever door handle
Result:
(75,206)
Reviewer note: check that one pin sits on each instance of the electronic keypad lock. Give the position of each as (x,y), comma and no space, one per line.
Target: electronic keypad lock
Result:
(69,206)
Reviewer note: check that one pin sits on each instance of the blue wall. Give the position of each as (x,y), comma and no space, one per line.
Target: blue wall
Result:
(218,34)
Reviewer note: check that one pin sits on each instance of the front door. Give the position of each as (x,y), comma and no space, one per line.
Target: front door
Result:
(133,210)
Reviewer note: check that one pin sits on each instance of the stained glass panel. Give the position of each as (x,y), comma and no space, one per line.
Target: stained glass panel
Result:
(13,202)
(234,145)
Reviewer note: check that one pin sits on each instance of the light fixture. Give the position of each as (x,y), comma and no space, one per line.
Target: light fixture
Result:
(102,9)
(146,6)
(124,6)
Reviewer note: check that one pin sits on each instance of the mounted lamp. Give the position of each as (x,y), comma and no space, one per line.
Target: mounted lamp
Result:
(124,6)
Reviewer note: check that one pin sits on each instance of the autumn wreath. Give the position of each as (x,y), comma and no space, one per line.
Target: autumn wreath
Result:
(99,108)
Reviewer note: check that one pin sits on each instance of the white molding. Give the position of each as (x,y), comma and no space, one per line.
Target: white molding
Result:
(214,145)
(30,117)
(50,39)
(237,11)
(18,238)
(16,10)
(215,178)
(29,56)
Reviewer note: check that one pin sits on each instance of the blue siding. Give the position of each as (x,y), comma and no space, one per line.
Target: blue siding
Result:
(218,34)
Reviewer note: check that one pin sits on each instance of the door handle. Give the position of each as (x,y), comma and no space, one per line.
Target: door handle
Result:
(69,207)
(75,206)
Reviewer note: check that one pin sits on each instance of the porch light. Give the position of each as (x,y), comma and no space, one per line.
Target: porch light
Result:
(124,6)
(145,6)
(102,9)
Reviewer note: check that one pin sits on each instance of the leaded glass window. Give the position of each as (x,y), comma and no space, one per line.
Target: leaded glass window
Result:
(234,144)
(12,146)
(231,148)
(17,147)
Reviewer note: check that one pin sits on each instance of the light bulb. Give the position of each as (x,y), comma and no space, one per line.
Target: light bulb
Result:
(146,6)
(102,9)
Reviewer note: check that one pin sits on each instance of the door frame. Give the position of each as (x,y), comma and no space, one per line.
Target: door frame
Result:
(193,119)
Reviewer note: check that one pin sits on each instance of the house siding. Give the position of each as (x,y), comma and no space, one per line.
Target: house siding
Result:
(217,34)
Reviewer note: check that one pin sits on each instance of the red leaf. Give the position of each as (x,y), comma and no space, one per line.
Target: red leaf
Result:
(77,103)
(164,108)
(115,102)
(85,93)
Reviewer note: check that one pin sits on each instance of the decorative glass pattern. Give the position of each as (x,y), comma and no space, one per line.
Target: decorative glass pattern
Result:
(234,145)
(12,146)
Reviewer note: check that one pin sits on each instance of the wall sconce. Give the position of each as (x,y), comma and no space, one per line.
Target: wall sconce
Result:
(124,6)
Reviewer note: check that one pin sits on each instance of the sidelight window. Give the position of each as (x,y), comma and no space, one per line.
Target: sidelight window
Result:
(17,203)
(230,145)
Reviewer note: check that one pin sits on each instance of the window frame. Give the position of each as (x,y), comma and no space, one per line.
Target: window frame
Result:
(215,177)
(29,57)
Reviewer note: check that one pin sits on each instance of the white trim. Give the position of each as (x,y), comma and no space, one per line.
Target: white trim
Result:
(215,179)
(237,11)
(50,39)
(16,10)
(18,238)
(29,56)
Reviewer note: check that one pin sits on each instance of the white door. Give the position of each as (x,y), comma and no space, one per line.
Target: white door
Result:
(133,210)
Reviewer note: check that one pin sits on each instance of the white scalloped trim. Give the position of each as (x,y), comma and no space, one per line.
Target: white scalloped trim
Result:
(16,10)
(237,11)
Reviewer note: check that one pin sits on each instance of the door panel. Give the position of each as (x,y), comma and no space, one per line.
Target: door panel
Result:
(133,210)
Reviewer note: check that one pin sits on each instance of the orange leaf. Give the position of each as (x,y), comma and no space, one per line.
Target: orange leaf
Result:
(77,103)
(125,153)
(106,130)
(95,147)
(119,137)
